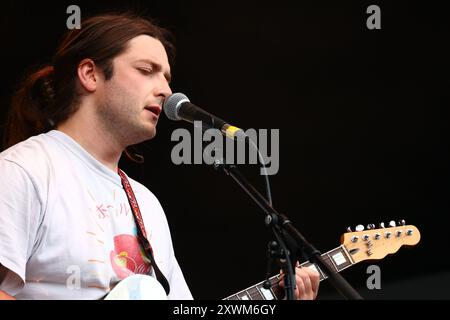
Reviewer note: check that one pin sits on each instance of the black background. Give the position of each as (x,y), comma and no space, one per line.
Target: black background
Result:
(362,116)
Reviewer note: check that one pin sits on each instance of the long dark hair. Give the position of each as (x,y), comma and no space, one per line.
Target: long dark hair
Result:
(49,96)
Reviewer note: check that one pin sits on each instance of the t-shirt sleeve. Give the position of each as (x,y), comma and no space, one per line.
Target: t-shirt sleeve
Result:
(20,211)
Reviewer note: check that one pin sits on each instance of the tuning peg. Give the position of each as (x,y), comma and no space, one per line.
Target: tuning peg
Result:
(401,222)
(370,226)
(359,227)
(392,223)
(349,229)
(381,225)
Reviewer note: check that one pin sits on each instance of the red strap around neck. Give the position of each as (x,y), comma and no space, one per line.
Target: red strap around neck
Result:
(142,234)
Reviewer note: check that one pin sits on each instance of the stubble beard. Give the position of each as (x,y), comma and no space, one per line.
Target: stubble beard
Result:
(120,116)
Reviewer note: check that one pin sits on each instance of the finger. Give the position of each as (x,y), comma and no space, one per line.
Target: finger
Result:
(296,284)
(314,277)
(300,287)
(306,293)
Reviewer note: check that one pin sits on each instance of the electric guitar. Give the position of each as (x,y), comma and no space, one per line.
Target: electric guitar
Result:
(370,244)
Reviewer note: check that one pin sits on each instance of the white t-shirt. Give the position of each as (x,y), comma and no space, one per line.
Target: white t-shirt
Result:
(66,227)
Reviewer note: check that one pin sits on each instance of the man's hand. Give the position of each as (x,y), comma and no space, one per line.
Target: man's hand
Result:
(307,283)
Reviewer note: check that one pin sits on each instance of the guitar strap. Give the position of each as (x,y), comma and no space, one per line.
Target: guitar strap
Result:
(142,234)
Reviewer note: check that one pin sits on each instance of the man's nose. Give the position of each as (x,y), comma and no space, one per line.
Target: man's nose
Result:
(164,88)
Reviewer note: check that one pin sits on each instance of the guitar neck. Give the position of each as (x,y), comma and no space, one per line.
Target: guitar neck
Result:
(338,259)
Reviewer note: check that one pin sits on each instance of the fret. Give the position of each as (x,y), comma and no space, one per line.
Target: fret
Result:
(237,296)
(339,258)
(314,267)
(348,256)
(278,292)
(274,280)
(329,261)
(267,294)
(326,260)
(243,295)
(255,294)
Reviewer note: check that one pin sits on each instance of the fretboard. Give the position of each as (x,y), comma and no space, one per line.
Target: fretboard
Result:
(338,259)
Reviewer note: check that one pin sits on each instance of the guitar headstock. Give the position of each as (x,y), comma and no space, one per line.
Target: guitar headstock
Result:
(374,244)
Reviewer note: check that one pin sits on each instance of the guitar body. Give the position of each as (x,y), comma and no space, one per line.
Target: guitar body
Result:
(137,287)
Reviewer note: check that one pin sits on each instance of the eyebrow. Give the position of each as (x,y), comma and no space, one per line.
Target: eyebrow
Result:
(157,68)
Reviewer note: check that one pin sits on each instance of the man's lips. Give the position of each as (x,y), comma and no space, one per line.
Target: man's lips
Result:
(154,109)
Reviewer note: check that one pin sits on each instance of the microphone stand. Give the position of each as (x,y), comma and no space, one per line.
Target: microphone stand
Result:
(281,224)
(287,263)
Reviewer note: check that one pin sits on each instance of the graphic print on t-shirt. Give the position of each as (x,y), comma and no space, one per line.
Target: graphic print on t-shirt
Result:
(128,258)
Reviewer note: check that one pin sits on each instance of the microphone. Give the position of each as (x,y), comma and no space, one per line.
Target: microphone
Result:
(178,107)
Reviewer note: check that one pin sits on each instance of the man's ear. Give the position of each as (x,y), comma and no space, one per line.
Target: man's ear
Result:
(88,75)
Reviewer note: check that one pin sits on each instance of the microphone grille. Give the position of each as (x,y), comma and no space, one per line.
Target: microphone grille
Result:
(172,104)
